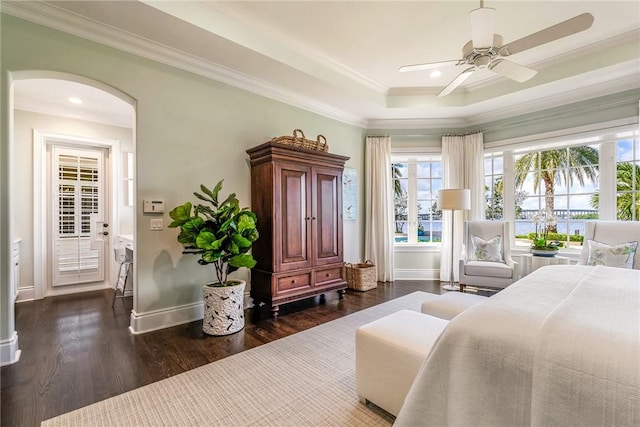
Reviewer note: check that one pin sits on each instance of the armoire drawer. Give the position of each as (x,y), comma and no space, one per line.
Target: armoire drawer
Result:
(294,282)
(328,275)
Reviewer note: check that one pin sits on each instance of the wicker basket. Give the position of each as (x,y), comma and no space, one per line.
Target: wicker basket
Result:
(298,140)
(361,277)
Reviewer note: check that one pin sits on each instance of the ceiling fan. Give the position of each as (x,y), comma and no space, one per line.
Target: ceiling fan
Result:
(485,49)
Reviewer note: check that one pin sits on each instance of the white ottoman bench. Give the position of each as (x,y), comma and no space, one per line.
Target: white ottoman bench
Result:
(449,305)
(389,352)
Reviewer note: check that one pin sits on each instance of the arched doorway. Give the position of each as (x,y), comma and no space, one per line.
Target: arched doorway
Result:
(67,133)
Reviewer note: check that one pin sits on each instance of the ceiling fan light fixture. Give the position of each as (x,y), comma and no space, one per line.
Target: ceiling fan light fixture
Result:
(482,61)
(435,74)
(482,25)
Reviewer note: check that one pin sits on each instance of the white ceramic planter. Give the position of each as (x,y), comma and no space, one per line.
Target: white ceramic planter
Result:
(223,308)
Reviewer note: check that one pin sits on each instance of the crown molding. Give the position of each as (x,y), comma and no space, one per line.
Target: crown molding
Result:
(620,81)
(395,124)
(61,20)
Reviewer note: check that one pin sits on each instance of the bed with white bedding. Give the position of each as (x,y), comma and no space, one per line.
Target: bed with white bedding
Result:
(561,347)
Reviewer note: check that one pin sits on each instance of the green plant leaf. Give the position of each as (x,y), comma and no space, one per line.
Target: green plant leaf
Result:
(206,199)
(180,215)
(206,210)
(251,235)
(241,241)
(187,238)
(210,256)
(229,201)
(219,243)
(225,225)
(193,225)
(242,260)
(205,240)
(216,190)
(245,222)
(213,196)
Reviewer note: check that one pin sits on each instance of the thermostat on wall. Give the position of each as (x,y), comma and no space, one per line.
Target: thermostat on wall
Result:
(153,206)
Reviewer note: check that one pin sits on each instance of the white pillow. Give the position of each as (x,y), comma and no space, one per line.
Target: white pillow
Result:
(612,256)
(489,250)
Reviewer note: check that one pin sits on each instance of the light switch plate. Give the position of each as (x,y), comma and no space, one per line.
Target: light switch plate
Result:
(153,206)
(156,224)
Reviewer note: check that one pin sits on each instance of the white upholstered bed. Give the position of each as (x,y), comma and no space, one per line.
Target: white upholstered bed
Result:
(561,347)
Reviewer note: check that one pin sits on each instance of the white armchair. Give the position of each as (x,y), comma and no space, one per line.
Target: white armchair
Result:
(611,233)
(488,263)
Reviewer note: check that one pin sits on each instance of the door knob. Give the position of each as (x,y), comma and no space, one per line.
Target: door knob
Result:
(105,225)
(106,233)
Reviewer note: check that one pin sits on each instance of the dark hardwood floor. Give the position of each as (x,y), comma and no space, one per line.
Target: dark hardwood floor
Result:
(77,350)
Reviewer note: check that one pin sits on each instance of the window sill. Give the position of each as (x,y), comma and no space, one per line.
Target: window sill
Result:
(417,247)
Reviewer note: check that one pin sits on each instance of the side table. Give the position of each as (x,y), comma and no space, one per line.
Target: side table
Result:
(530,263)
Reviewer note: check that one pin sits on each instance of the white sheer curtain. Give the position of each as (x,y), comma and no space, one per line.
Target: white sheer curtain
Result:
(474,175)
(379,232)
(463,167)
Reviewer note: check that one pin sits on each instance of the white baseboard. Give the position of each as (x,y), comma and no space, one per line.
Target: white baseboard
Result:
(416,274)
(9,352)
(26,294)
(168,317)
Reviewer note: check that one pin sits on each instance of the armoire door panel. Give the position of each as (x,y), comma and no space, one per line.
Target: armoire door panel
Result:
(328,224)
(294,219)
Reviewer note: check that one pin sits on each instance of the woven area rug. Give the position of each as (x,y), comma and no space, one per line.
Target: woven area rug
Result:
(305,379)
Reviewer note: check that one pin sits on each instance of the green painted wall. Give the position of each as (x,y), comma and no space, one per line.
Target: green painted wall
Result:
(189,130)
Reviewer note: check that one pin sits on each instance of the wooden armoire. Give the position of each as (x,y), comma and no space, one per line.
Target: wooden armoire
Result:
(297,196)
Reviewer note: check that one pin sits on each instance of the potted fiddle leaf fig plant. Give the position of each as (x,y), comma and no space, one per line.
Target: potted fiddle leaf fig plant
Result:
(220,233)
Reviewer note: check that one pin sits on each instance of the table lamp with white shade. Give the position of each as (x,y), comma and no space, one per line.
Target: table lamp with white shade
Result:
(453,199)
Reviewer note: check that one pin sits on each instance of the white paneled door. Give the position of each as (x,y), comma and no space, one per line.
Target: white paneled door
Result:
(79,230)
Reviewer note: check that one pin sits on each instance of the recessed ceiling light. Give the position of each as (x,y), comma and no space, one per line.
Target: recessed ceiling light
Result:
(75,100)
(435,74)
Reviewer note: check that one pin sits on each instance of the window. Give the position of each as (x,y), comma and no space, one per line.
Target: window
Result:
(128,179)
(559,182)
(571,181)
(77,194)
(416,181)
(493,186)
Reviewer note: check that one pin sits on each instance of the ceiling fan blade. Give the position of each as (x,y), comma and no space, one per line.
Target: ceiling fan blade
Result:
(456,82)
(514,71)
(555,32)
(427,66)
(483,22)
